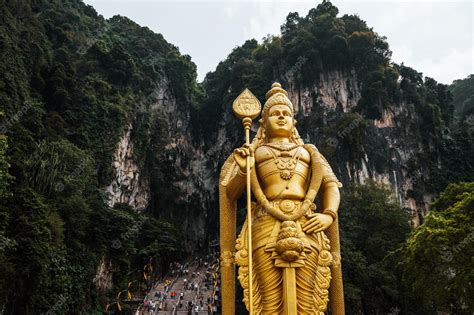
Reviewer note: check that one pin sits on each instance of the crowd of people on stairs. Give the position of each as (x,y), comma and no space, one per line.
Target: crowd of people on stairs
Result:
(191,288)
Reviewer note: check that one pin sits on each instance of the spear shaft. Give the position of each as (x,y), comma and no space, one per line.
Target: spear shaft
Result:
(247,122)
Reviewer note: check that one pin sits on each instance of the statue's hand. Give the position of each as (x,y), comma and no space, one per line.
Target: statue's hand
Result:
(317,222)
(240,157)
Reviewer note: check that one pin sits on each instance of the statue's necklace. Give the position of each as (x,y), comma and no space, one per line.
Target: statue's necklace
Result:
(282,146)
(285,162)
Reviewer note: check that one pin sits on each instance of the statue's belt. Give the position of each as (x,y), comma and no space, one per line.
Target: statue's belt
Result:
(287,207)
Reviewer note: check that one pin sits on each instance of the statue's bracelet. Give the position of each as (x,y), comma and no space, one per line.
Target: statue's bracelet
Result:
(331,213)
(241,173)
(306,203)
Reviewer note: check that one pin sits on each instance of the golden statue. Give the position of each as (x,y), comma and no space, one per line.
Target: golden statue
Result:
(291,256)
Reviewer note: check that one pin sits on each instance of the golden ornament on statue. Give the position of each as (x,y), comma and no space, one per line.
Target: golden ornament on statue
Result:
(246,105)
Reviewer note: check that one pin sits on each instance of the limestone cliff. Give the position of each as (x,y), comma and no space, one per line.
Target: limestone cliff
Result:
(129,186)
(160,169)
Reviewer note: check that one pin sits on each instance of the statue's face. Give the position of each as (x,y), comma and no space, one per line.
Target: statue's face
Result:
(279,122)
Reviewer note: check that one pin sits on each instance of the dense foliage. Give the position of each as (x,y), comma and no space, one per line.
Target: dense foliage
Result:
(463,97)
(372,226)
(69,83)
(437,258)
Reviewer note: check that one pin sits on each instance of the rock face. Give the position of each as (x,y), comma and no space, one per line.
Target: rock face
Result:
(160,168)
(334,90)
(103,277)
(129,186)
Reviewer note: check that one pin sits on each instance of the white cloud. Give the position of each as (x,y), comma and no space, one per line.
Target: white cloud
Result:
(455,65)
(229,11)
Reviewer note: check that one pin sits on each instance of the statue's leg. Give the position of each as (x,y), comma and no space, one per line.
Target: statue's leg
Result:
(305,284)
(270,280)
(312,284)
(268,292)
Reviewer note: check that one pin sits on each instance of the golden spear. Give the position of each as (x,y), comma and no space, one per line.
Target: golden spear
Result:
(247,107)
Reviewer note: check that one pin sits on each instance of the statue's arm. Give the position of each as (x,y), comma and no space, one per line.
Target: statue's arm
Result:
(236,185)
(331,199)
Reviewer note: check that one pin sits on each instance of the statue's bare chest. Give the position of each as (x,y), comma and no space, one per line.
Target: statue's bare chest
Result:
(283,170)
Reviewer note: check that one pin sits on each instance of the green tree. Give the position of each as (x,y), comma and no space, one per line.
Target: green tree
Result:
(372,226)
(7,244)
(5,177)
(463,95)
(437,259)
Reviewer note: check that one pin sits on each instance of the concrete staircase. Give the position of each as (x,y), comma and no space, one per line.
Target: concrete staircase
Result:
(189,295)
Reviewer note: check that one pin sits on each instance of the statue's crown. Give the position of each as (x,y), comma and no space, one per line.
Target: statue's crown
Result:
(276,96)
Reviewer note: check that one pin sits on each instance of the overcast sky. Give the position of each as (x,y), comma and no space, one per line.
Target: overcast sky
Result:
(433,37)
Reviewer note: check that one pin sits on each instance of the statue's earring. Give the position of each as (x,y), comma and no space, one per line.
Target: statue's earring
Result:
(262,135)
